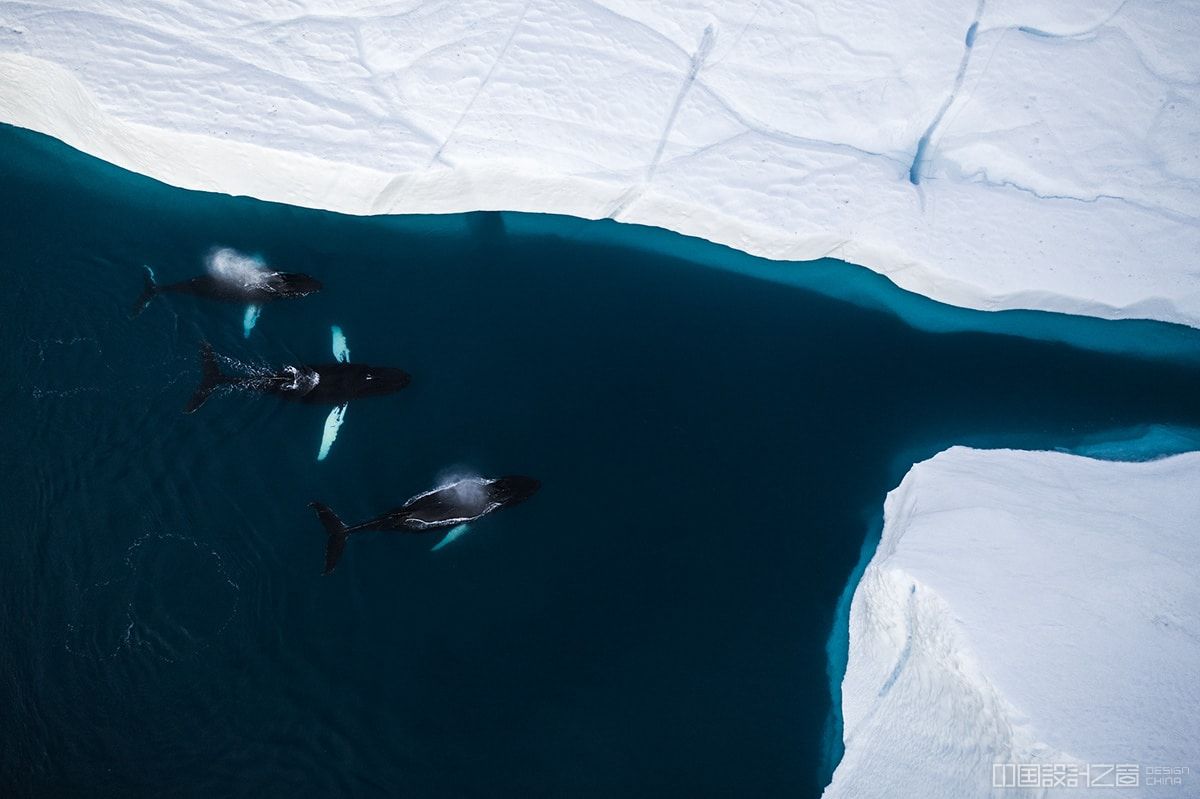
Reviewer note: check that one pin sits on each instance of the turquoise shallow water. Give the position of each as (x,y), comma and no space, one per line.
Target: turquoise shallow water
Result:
(714,434)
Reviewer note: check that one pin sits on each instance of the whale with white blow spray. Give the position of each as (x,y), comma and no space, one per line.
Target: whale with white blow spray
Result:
(469,491)
(232,276)
(453,505)
(315,384)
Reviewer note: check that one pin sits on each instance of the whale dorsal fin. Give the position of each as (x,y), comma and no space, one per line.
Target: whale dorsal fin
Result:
(332,422)
(341,350)
(249,319)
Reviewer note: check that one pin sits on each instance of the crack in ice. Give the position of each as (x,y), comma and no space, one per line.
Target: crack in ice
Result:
(914,171)
(437,155)
(697,63)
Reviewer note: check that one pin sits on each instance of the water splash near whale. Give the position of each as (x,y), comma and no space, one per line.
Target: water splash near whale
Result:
(239,269)
(226,263)
(470,489)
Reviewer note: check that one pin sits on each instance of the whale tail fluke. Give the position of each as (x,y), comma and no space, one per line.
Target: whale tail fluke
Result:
(210,378)
(149,289)
(337,532)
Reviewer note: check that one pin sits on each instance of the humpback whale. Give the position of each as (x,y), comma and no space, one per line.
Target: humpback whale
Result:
(235,278)
(314,384)
(449,506)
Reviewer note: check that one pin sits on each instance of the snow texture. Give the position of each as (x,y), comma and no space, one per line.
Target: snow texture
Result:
(987,153)
(1026,608)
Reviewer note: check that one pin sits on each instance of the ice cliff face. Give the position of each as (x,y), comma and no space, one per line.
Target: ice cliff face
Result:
(1028,609)
(988,153)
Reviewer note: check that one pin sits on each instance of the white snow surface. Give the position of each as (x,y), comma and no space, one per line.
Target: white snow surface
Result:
(1061,173)
(1026,607)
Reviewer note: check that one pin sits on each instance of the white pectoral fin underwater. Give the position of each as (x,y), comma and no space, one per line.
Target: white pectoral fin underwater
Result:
(250,319)
(341,350)
(333,423)
(455,532)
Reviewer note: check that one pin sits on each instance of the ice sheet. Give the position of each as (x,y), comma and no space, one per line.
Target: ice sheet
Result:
(1059,168)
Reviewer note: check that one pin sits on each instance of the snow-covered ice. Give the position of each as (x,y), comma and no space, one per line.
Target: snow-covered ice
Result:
(987,153)
(1026,608)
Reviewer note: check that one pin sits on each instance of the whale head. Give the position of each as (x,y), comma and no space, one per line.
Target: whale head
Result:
(377,381)
(513,489)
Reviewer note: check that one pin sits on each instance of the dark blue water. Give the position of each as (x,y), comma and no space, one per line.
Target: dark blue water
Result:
(713,448)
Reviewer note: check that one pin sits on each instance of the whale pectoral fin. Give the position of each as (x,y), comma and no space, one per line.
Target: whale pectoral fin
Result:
(454,533)
(341,350)
(332,422)
(250,319)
